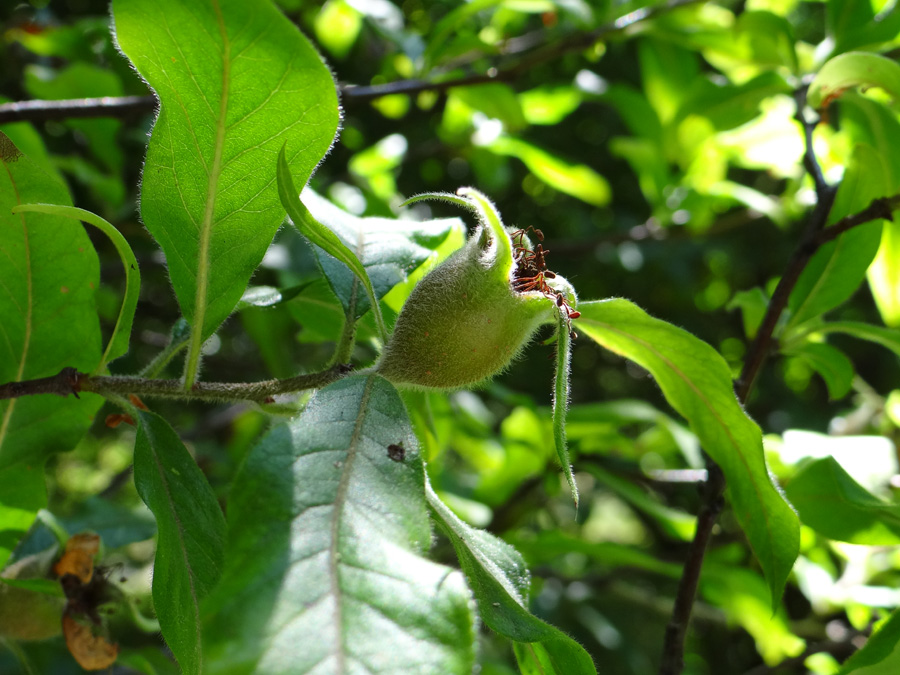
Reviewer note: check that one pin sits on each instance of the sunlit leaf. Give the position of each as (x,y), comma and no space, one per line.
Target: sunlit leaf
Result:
(854,69)
(236,81)
(881,653)
(578,180)
(697,383)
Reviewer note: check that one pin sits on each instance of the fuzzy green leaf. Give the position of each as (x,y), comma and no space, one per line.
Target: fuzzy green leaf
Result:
(48,276)
(499,578)
(189,553)
(696,381)
(236,82)
(327,528)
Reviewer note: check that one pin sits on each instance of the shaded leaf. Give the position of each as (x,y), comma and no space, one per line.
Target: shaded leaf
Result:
(389,250)
(118,341)
(561,400)
(696,381)
(236,82)
(499,578)
(326,532)
(189,552)
(831,363)
(832,503)
(323,237)
(48,275)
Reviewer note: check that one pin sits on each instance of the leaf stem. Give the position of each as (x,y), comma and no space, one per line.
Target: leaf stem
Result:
(70,381)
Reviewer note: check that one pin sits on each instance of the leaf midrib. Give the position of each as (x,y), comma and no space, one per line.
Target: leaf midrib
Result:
(7,415)
(200,300)
(340,501)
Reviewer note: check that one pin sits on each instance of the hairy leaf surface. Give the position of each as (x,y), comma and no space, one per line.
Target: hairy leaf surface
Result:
(236,81)
(327,528)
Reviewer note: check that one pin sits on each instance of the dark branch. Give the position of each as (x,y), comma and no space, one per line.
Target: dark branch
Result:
(108,106)
(42,111)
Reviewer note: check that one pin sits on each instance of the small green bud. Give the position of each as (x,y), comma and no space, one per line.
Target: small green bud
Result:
(472,315)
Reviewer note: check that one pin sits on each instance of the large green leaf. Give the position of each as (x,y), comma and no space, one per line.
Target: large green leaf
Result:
(388,249)
(831,502)
(499,578)
(838,268)
(696,381)
(48,275)
(327,526)
(189,553)
(236,82)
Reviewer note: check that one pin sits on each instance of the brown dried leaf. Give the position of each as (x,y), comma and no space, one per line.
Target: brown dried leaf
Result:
(79,557)
(91,651)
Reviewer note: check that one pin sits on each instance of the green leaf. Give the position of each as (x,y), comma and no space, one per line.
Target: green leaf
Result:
(832,503)
(728,105)
(577,180)
(549,104)
(23,493)
(839,267)
(49,320)
(499,578)
(753,304)
(696,381)
(236,82)
(881,653)
(854,69)
(497,101)
(886,337)
(828,361)
(561,400)
(189,552)
(389,250)
(327,526)
(118,341)
(323,237)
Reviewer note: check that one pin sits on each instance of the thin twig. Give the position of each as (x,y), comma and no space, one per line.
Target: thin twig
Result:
(70,381)
(111,106)
(815,235)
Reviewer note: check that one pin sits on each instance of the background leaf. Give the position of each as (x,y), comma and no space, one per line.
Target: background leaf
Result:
(499,578)
(855,69)
(48,275)
(832,503)
(236,82)
(189,552)
(326,531)
(697,383)
(23,493)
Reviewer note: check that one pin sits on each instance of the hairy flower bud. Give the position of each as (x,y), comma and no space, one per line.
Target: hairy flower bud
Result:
(470,317)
